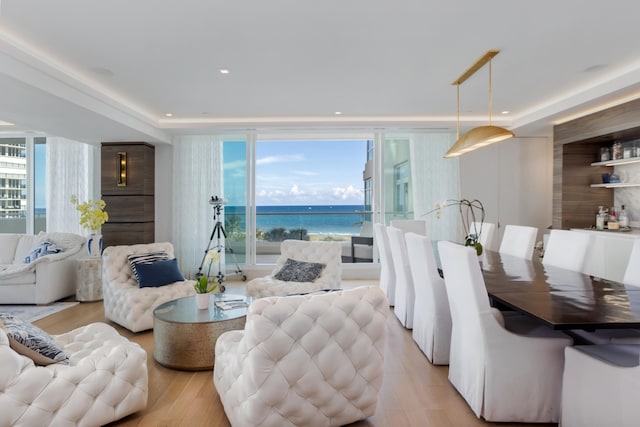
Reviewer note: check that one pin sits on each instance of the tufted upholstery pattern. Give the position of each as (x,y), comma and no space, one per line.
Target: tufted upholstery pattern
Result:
(328,253)
(124,302)
(304,360)
(105,381)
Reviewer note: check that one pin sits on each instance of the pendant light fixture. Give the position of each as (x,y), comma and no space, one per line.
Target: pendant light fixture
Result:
(483,135)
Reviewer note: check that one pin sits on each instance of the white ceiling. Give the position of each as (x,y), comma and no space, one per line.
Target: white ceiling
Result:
(110,70)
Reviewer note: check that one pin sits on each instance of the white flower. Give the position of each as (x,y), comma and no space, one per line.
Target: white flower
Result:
(213,256)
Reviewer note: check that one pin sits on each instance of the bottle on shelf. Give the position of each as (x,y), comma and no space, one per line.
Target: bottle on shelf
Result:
(623,218)
(613,223)
(600,218)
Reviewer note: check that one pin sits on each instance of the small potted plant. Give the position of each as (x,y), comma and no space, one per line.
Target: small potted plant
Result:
(204,286)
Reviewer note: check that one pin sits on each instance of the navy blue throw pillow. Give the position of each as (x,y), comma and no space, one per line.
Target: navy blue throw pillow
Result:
(158,273)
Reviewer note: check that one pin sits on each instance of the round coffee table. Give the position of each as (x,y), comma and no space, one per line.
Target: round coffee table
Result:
(184,336)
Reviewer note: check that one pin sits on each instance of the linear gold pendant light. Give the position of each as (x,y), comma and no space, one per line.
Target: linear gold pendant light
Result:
(483,135)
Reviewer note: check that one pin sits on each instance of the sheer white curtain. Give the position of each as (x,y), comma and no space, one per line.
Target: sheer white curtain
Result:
(69,170)
(197,171)
(435,179)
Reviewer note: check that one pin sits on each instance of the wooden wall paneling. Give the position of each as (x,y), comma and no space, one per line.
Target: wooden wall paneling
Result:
(577,144)
(619,122)
(140,169)
(131,208)
(127,233)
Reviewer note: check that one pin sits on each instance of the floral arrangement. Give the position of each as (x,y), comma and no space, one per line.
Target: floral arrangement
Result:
(469,219)
(92,214)
(205,284)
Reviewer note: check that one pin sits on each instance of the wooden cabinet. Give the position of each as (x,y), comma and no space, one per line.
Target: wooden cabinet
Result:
(130,207)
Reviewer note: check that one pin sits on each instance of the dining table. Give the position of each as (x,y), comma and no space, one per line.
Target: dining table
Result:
(560,298)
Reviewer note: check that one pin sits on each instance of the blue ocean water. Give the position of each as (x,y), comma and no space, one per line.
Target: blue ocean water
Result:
(317,219)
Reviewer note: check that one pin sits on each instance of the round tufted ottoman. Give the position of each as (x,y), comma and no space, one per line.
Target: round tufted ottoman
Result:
(184,337)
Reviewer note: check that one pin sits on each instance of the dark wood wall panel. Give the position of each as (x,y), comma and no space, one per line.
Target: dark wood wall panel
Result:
(131,208)
(127,233)
(576,145)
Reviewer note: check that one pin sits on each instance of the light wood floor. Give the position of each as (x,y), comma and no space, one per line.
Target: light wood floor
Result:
(414,393)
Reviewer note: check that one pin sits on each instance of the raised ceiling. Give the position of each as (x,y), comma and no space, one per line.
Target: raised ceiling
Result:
(111,70)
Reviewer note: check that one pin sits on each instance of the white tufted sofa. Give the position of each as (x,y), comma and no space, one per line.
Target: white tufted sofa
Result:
(106,380)
(124,302)
(304,360)
(328,253)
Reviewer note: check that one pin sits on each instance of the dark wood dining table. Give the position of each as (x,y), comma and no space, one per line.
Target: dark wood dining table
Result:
(560,298)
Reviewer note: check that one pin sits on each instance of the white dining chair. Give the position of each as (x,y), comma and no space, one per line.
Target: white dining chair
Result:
(566,249)
(503,374)
(518,241)
(431,317)
(387,272)
(487,231)
(418,226)
(405,295)
(632,282)
(600,386)
(632,273)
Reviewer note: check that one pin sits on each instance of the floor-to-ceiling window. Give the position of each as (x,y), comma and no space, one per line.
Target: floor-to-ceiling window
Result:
(22,194)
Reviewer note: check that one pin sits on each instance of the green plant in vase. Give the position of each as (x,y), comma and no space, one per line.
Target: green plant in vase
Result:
(206,284)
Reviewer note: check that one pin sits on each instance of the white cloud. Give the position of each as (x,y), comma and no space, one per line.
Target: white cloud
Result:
(287,158)
(305,173)
(349,192)
(295,191)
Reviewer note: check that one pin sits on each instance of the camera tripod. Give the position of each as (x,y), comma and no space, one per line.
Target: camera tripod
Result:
(220,235)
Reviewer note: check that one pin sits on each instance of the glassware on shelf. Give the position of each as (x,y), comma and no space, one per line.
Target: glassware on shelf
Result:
(605,154)
(616,151)
(623,218)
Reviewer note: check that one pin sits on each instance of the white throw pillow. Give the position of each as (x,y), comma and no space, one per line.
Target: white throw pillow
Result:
(8,243)
(25,245)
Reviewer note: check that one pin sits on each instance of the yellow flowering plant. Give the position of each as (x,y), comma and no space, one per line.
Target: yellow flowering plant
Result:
(92,214)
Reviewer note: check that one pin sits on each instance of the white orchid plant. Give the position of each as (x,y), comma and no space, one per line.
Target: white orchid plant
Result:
(469,209)
(206,284)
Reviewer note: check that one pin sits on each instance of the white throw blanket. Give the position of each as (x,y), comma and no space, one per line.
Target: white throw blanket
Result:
(70,243)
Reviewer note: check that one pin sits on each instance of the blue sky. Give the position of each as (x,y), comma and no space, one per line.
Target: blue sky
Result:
(299,172)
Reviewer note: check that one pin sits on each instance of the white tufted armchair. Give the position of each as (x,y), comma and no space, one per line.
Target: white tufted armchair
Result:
(304,360)
(106,380)
(328,253)
(124,302)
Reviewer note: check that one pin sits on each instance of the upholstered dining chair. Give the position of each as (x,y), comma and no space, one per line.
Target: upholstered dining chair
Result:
(304,252)
(418,226)
(304,360)
(405,295)
(487,232)
(632,272)
(566,249)
(387,272)
(600,386)
(519,241)
(508,373)
(431,317)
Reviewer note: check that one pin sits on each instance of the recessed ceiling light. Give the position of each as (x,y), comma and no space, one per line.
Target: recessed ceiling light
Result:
(224,71)
(169,114)
(5,123)
(338,113)
(506,112)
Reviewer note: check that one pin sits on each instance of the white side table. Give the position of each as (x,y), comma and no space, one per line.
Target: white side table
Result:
(89,279)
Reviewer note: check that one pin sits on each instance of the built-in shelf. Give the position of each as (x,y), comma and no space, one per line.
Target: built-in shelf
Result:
(616,185)
(617,162)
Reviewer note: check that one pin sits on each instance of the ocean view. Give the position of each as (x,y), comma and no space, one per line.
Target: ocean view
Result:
(318,219)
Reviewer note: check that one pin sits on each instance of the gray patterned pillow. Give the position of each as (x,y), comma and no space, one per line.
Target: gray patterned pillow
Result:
(299,271)
(31,341)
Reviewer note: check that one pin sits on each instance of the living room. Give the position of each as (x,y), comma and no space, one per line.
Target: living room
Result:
(186,78)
